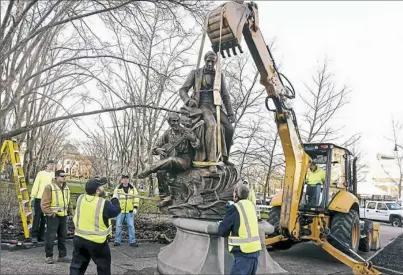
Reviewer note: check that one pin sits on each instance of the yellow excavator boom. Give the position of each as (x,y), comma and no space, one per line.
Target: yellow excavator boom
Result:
(225,27)
(242,20)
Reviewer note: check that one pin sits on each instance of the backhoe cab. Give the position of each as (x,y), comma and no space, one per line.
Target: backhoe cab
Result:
(331,217)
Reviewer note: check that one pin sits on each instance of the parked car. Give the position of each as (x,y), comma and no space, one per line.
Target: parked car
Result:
(383,211)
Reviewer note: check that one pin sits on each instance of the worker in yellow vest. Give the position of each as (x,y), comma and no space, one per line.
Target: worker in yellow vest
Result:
(92,228)
(125,192)
(42,179)
(55,204)
(315,178)
(240,225)
(252,195)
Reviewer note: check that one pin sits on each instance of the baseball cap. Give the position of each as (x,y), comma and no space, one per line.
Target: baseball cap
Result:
(125,177)
(60,173)
(92,185)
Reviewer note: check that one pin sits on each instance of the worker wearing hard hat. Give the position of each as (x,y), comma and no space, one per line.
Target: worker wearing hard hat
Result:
(315,176)
(92,229)
(125,192)
(240,225)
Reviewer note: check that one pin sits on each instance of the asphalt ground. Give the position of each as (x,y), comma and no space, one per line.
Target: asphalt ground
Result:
(304,258)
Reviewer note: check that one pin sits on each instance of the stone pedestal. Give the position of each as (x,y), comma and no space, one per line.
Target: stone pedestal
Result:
(197,249)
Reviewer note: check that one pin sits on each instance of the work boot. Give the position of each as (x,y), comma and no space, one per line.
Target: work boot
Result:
(64,259)
(49,260)
(134,245)
(34,239)
(116,244)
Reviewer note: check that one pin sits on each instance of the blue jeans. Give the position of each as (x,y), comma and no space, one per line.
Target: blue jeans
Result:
(244,266)
(130,224)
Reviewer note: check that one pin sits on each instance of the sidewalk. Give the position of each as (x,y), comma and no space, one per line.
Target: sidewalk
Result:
(125,260)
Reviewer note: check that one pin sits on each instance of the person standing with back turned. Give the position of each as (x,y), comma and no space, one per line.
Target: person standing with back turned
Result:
(92,228)
(241,227)
(43,178)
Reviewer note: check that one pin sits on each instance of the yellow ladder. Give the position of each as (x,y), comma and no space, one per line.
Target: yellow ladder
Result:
(10,151)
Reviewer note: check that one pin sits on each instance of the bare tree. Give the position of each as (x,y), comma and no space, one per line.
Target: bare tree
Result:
(323,100)
(397,158)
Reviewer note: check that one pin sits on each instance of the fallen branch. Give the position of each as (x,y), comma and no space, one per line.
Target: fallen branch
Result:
(28,128)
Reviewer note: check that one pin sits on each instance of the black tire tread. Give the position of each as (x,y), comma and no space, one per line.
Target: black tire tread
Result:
(341,228)
(274,219)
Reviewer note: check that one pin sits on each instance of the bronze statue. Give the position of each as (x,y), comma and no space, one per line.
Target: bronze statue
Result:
(176,149)
(202,82)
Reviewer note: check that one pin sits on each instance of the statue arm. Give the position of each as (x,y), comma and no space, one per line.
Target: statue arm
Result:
(161,142)
(195,144)
(226,98)
(189,83)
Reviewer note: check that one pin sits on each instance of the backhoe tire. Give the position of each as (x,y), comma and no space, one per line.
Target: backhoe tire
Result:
(274,219)
(346,228)
(366,242)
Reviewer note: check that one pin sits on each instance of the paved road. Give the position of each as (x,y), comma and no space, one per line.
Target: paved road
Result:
(304,258)
(307,258)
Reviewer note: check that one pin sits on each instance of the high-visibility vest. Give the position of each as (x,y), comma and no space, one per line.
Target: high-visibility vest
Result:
(248,234)
(88,219)
(127,203)
(252,196)
(60,200)
(316,177)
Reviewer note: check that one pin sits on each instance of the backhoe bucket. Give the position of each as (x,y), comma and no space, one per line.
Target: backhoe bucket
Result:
(234,16)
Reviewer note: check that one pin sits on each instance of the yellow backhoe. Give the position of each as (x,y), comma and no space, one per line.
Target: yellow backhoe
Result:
(332,221)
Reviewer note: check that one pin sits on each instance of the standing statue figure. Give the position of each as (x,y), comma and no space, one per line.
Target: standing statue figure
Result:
(202,82)
(173,160)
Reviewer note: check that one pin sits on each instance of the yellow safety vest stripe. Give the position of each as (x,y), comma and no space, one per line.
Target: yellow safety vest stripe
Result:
(248,239)
(97,230)
(60,199)
(235,240)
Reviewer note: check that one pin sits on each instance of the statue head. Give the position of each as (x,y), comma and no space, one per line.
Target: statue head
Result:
(210,59)
(173,121)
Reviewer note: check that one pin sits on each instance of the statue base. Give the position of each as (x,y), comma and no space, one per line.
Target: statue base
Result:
(197,249)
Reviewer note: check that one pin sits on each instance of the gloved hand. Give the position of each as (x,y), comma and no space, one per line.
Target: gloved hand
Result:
(134,211)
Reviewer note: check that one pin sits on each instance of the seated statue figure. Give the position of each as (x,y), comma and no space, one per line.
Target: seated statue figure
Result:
(173,159)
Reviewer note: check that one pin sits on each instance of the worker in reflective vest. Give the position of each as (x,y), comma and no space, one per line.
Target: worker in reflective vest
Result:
(315,179)
(55,204)
(240,225)
(92,229)
(125,192)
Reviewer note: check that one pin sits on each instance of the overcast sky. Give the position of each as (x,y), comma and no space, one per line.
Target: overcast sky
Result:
(364,43)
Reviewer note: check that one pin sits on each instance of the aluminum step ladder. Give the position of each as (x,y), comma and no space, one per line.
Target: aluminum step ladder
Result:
(10,152)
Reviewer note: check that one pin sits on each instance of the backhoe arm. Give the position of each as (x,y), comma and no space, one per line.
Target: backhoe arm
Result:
(241,19)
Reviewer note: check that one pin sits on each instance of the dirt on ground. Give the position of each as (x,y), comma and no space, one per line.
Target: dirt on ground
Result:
(149,227)
(391,256)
